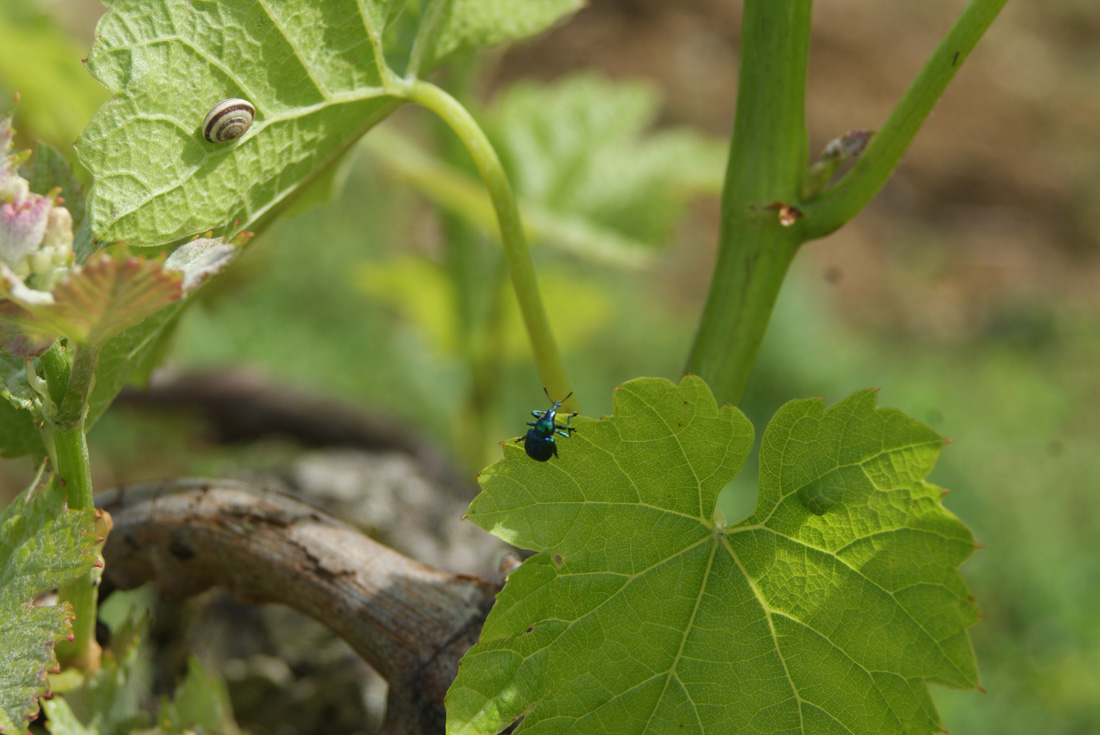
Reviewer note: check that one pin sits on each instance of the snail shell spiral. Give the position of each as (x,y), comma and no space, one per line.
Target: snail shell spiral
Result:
(228,120)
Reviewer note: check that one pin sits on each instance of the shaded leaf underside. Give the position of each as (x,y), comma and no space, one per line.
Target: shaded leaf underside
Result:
(313,71)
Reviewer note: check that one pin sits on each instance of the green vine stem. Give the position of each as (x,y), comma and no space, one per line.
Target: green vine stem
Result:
(768,159)
(851,194)
(66,426)
(69,450)
(521,269)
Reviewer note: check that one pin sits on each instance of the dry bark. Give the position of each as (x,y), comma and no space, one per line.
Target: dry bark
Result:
(409,621)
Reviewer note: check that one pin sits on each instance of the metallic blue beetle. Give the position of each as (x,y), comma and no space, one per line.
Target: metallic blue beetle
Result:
(539,441)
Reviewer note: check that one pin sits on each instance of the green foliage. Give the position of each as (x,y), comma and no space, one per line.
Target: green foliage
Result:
(455,26)
(199,705)
(62,721)
(37,59)
(158,180)
(18,435)
(581,148)
(421,293)
(592,178)
(644,612)
(110,694)
(103,298)
(48,169)
(829,609)
(458,192)
(43,547)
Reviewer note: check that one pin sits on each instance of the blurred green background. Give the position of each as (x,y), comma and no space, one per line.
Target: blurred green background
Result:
(969,291)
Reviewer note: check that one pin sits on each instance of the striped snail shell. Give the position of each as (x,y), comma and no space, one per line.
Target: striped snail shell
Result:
(228,120)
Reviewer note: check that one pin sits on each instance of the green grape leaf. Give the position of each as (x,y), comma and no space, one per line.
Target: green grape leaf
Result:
(110,696)
(43,547)
(48,169)
(453,26)
(200,704)
(109,295)
(14,388)
(62,721)
(18,436)
(315,73)
(132,354)
(18,406)
(581,148)
(643,612)
(126,355)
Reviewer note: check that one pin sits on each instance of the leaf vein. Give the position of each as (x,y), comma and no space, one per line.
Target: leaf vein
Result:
(321,89)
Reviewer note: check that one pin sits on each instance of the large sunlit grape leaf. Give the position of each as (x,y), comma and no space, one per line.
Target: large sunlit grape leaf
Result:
(315,72)
(828,610)
(43,547)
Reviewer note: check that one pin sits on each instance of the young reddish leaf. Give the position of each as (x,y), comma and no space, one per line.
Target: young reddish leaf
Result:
(96,302)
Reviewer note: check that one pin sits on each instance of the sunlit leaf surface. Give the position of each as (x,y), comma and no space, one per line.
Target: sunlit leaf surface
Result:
(643,613)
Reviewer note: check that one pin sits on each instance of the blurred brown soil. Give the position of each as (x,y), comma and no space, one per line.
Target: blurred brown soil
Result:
(995,209)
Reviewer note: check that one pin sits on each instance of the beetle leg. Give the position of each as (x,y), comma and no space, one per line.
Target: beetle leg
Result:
(562,429)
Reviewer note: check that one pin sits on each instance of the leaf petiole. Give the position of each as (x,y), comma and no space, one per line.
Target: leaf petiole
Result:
(520,268)
(852,193)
